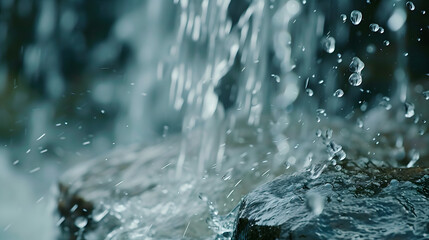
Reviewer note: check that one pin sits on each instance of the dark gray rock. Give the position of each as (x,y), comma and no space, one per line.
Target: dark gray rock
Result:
(354,202)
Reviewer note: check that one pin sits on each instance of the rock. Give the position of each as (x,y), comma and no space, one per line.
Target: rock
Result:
(364,202)
(85,190)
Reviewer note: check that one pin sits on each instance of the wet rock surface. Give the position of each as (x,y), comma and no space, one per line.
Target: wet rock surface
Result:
(359,201)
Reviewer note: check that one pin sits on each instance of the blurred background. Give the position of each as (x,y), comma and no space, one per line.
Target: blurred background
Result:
(78,78)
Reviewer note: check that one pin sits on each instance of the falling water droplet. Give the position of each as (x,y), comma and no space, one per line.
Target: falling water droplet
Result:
(335,147)
(328,44)
(276,77)
(385,103)
(309,92)
(99,214)
(426,94)
(119,207)
(359,123)
(339,93)
(386,43)
(356,65)
(81,222)
(374,27)
(328,133)
(370,48)
(410,5)
(341,155)
(409,109)
(339,60)
(315,173)
(355,17)
(343,17)
(355,79)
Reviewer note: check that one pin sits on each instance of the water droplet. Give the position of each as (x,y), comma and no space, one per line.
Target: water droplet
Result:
(335,147)
(319,133)
(359,123)
(355,17)
(315,173)
(355,79)
(406,54)
(356,65)
(410,5)
(328,44)
(371,48)
(339,93)
(409,109)
(40,137)
(309,92)
(99,214)
(374,27)
(381,30)
(227,176)
(276,77)
(426,94)
(339,60)
(341,155)
(328,133)
(81,222)
(364,106)
(386,43)
(321,111)
(60,221)
(385,103)
(338,168)
(343,17)
(119,207)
